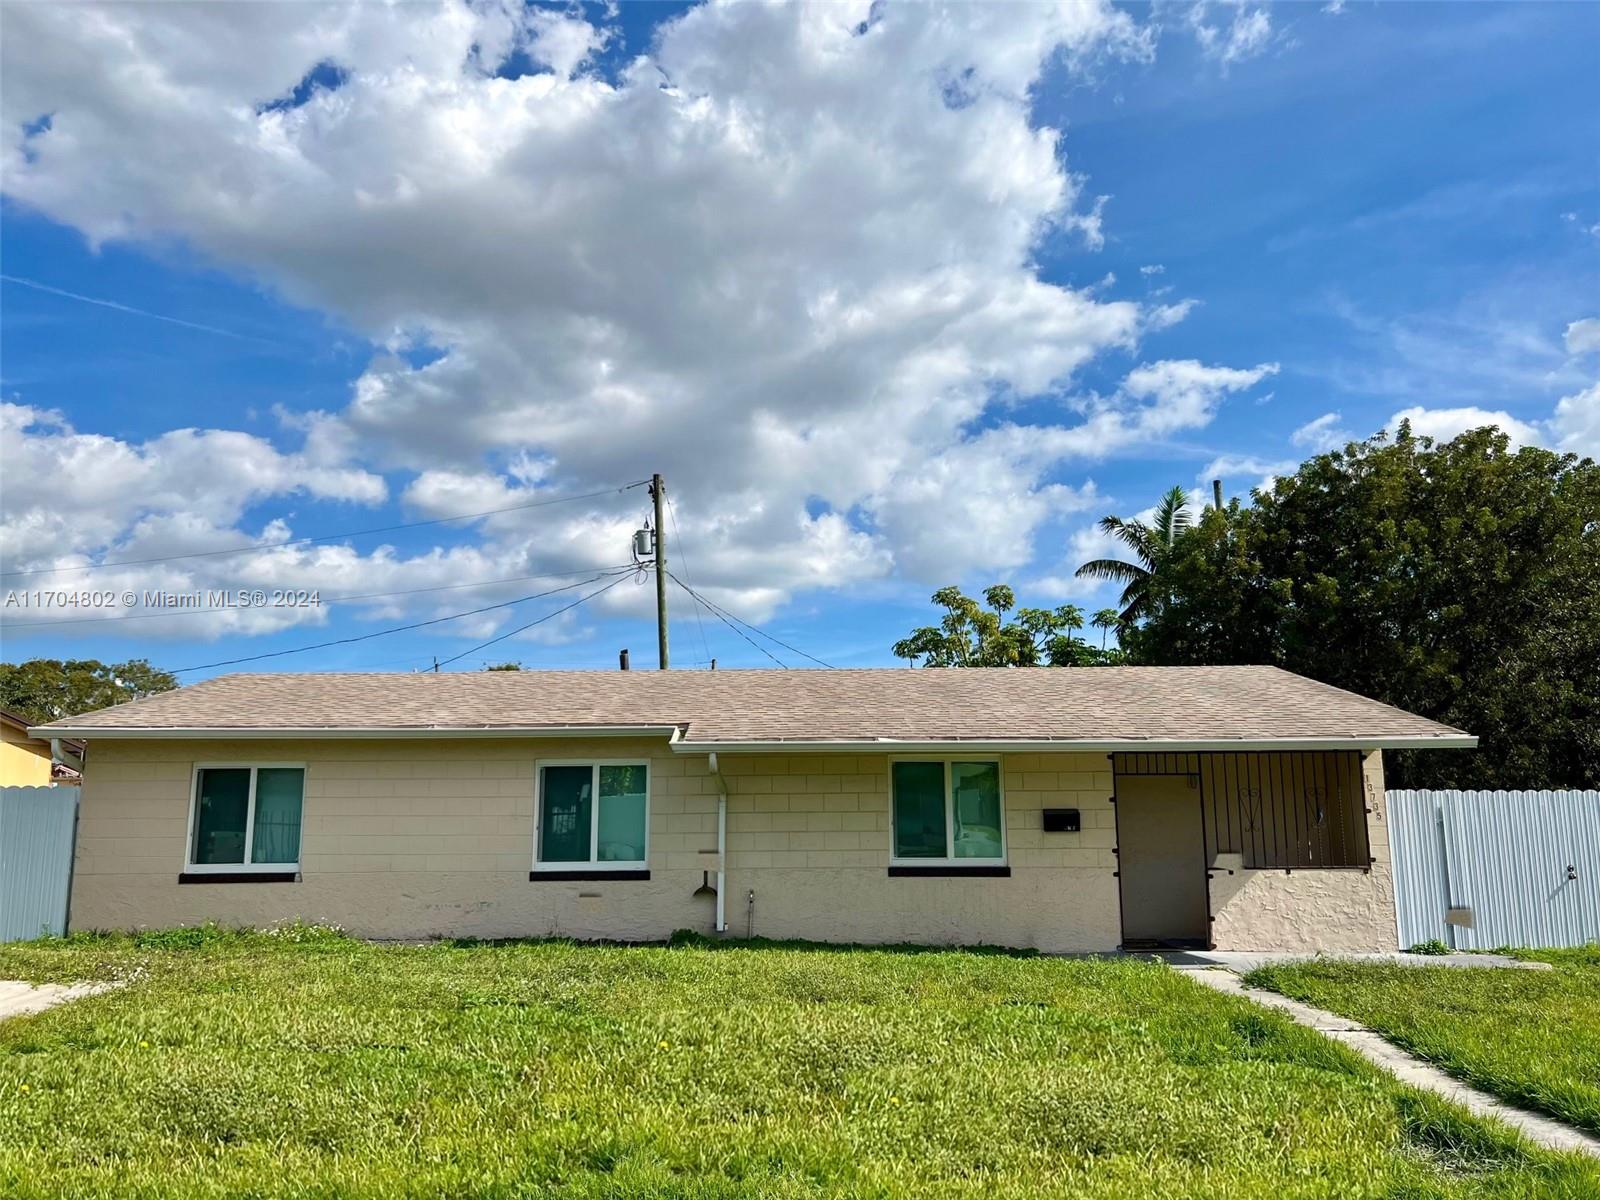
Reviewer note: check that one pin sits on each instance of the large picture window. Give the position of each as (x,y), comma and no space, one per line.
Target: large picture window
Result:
(246,818)
(592,815)
(947,812)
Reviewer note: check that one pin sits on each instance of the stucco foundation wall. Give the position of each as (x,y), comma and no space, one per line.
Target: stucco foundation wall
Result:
(1310,910)
(406,839)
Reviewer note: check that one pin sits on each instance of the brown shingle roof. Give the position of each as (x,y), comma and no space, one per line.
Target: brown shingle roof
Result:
(1093,705)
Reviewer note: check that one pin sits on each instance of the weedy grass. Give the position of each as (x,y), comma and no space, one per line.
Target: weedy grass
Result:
(313,1065)
(1530,1037)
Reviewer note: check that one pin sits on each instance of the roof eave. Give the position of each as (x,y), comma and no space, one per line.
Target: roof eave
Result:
(348,732)
(1443,741)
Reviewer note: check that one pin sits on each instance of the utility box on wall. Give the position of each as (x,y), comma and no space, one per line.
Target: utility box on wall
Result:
(1061,820)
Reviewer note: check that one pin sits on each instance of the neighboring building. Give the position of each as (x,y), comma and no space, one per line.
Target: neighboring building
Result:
(1068,810)
(25,760)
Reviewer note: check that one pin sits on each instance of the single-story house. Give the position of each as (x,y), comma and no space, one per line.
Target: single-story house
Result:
(1068,810)
(28,761)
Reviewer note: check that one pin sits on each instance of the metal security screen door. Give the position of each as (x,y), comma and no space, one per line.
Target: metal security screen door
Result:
(1161,856)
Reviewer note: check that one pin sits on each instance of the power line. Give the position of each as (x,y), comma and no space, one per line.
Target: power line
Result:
(729,623)
(521,628)
(400,628)
(326,537)
(200,612)
(728,616)
(677,536)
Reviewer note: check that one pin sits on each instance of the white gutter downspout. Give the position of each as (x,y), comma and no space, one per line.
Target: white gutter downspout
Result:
(67,758)
(722,846)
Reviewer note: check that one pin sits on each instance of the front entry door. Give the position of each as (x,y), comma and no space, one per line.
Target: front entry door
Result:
(1161,855)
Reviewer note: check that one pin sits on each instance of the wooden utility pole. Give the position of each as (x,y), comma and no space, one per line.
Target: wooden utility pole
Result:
(658,494)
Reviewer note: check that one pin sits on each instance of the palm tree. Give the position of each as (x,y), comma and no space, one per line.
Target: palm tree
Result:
(1149,544)
(1105,621)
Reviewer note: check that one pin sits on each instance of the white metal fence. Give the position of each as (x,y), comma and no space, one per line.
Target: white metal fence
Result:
(36,835)
(1477,870)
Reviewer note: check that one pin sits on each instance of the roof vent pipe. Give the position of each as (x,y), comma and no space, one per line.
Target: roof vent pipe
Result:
(622,660)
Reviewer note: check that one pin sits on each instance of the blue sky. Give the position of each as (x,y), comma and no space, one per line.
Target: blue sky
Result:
(1334,216)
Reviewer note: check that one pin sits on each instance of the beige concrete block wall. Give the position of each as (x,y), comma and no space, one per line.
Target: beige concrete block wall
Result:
(810,835)
(1310,910)
(433,837)
(399,839)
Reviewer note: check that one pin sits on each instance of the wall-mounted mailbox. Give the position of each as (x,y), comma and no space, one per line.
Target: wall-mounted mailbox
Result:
(1061,820)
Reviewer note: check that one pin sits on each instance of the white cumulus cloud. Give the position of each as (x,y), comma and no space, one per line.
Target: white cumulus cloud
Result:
(1583,336)
(786,257)
(1257,471)
(1442,424)
(1321,434)
(1576,424)
(68,492)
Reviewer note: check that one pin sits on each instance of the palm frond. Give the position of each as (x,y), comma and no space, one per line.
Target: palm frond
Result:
(1172,514)
(1113,569)
(1135,597)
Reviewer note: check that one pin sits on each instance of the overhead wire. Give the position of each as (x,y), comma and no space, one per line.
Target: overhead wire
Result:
(677,537)
(616,576)
(728,623)
(620,576)
(728,616)
(443,662)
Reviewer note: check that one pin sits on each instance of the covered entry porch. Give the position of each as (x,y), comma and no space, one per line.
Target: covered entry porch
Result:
(1271,850)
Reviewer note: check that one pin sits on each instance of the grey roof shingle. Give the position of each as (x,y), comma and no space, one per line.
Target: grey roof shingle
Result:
(1099,704)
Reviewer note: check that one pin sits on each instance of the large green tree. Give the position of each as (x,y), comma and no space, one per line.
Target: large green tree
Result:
(970,635)
(1459,580)
(47,689)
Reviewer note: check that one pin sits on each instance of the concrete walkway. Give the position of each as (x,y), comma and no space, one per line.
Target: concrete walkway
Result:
(1248,960)
(1546,1131)
(17,998)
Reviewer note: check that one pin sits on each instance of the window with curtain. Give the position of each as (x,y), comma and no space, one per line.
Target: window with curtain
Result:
(947,812)
(246,817)
(592,815)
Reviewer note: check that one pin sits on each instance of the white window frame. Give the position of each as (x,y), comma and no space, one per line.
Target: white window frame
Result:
(950,859)
(190,867)
(593,864)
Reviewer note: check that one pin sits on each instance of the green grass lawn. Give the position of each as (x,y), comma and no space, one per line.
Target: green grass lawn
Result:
(1531,1037)
(247,1065)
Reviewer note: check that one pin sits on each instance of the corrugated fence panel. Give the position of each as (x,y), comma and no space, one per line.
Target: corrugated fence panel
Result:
(1526,865)
(1416,844)
(36,834)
